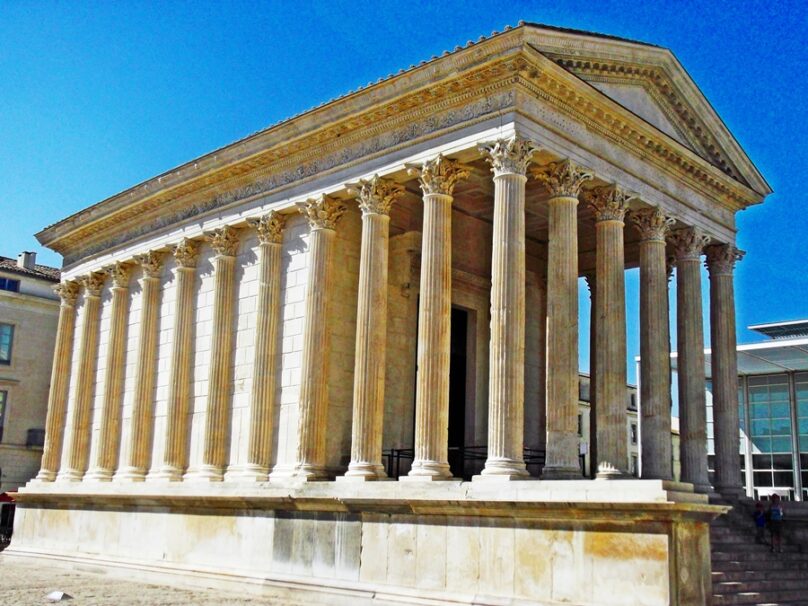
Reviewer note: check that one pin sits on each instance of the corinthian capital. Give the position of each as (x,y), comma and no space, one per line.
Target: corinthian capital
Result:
(151,262)
(376,195)
(120,274)
(186,253)
(610,203)
(224,241)
(93,283)
(688,243)
(439,175)
(561,178)
(68,292)
(721,258)
(323,212)
(509,156)
(269,227)
(652,223)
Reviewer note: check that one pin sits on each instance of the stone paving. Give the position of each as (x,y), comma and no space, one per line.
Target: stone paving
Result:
(27,584)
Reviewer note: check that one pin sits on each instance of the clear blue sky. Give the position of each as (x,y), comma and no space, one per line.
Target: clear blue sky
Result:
(98,96)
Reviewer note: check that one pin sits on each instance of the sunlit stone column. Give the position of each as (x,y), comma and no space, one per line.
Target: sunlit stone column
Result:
(109,438)
(610,205)
(142,427)
(225,243)
(721,261)
(79,450)
(563,180)
(323,213)
(438,178)
(375,200)
(506,395)
(60,381)
(269,228)
(689,244)
(655,365)
(175,454)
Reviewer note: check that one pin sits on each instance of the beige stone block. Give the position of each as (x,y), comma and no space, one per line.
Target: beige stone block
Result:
(401,554)
(431,553)
(462,555)
(533,577)
(496,558)
(373,564)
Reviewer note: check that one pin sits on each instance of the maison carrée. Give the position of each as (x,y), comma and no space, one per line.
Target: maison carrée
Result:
(337,361)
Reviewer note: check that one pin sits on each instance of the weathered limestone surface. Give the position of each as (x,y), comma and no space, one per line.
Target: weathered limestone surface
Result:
(655,366)
(721,261)
(689,244)
(563,180)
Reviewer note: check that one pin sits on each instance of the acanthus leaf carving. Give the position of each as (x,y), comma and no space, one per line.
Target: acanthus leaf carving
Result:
(224,241)
(689,243)
(376,196)
(652,223)
(186,253)
(439,175)
(323,212)
(269,227)
(151,262)
(119,273)
(562,178)
(68,292)
(509,156)
(721,258)
(93,283)
(609,203)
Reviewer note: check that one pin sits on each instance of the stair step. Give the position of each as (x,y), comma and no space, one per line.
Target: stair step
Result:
(754,554)
(746,574)
(768,586)
(763,565)
(757,597)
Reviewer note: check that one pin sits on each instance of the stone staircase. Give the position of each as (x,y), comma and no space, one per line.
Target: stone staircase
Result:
(747,573)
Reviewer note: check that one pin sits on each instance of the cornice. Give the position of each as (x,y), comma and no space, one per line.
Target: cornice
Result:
(447,93)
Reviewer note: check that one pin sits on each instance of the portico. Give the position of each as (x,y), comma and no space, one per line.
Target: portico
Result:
(277,333)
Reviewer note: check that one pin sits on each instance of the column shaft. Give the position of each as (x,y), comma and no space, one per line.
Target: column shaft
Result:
(690,345)
(60,381)
(109,439)
(79,448)
(175,454)
(142,428)
(720,262)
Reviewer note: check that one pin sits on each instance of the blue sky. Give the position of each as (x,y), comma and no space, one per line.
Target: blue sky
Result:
(98,96)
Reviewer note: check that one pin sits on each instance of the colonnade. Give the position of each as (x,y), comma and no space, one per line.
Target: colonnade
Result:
(510,161)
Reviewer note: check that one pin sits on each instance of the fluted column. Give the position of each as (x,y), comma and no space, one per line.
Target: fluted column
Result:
(323,213)
(375,199)
(655,366)
(142,427)
(109,438)
(60,381)
(689,244)
(263,400)
(79,450)
(506,394)
(438,178)
(721,261)
(175,454)
(225,243)
(563,180)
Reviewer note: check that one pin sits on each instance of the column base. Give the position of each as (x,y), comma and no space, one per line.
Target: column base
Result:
(130,474)
(70,475)
(166,474)
(247,473)
(282,473)
(502,468)
(428,471)
(607,471)
(731,492)
(45,476)
(307,472)
(205,473)
(365,471)
(98,475)
(702,488)
(560,472)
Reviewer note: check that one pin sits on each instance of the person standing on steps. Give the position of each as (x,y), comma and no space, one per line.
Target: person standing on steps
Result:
(776,523)
(760,523)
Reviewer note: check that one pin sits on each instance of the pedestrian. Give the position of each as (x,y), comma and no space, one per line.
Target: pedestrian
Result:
(760,523)
(776,523)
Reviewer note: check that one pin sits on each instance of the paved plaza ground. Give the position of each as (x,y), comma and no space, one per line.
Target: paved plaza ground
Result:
(24,584)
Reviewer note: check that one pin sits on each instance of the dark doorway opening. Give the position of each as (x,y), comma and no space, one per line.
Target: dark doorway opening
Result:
(457,391)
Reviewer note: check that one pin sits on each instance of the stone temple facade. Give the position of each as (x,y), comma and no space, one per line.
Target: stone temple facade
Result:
(244,340)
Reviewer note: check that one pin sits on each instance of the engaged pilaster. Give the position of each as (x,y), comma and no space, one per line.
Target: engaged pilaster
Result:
(506,400)
(79,450)
(375,199)
(142,428)
(689,244)
(265,362)
(437,178)
(225,243)
(563,181)
(721,261)
(109,438)
(175,455)
(655,367)
(60,380)
(323,214)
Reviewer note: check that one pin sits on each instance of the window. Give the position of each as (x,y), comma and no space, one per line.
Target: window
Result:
(635,469)
(6,341)
(770,431)
(9,284)
(633,433)
(3,398)
(580,424)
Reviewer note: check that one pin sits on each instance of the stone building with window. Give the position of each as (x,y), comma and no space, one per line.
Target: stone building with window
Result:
(242,339)
(29,311)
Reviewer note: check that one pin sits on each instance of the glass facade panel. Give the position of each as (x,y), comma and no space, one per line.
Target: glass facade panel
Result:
(771,426)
